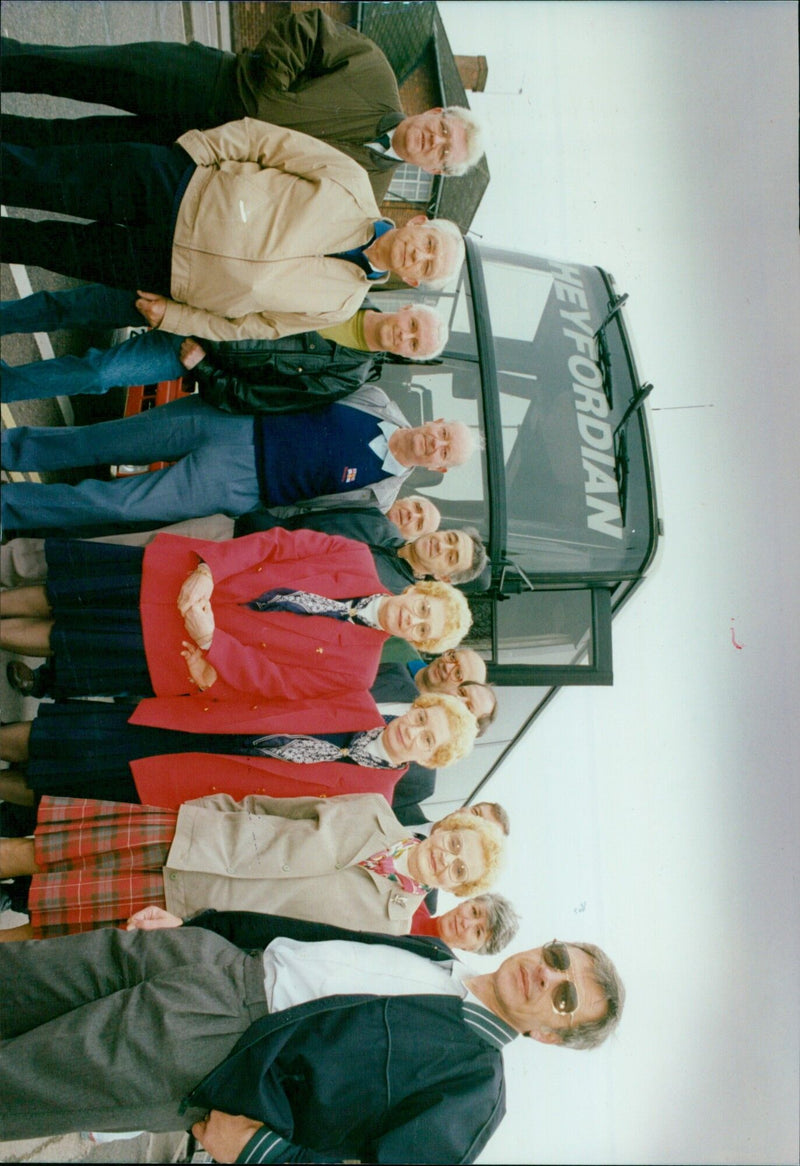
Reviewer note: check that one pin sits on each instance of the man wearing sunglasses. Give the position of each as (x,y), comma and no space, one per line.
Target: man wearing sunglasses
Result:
(328,1045)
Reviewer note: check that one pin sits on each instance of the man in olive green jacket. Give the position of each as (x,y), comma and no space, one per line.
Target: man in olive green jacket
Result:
(308,73)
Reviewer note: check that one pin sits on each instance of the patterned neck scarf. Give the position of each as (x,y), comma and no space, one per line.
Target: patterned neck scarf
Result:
(308,749)
(307,603)
(383,863)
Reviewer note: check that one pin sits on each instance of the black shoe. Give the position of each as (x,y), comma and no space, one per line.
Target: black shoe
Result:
(23,679)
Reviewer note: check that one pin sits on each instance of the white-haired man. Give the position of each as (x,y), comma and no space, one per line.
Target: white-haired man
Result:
(242,231)
(308,73)
(288,374)
(361,448)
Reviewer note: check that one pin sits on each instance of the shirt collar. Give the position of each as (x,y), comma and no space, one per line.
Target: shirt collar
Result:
(369,612)
(380,447)
(377,749)
(385,151)
(391,153)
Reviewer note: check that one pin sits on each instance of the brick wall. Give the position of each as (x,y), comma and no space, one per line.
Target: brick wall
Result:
(420,91)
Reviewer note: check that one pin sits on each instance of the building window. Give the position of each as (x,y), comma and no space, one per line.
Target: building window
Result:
(410,184)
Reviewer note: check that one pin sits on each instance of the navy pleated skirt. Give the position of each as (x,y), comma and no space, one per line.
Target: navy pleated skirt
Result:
(82,749)
(97,642)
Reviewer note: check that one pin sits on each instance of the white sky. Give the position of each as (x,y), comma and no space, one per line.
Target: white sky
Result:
(660,817)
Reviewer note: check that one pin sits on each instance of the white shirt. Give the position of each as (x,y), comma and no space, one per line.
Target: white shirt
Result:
(296,972)
(386,151)
(380,447)
(393,708)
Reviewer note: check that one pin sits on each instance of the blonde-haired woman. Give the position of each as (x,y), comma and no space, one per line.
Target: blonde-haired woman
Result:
(344,860)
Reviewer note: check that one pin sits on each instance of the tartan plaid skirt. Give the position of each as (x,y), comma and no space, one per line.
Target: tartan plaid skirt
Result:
(98,863)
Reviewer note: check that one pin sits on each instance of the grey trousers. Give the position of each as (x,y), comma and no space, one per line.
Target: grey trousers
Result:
(109,1030)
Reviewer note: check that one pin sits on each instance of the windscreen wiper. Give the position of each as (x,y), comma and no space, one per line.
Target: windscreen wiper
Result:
(506,585)
(603,353)
(621,460)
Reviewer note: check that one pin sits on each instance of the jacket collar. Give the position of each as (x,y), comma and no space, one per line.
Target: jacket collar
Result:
(487,1024)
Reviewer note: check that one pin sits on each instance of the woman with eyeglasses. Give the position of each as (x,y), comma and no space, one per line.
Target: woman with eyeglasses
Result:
(271,615)
(344,860)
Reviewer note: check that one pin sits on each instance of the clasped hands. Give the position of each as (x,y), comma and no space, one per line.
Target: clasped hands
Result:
(194,604)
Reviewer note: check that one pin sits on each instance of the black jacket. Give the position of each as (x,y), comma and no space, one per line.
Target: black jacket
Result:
(365,524)
(368,1078)
(287,375)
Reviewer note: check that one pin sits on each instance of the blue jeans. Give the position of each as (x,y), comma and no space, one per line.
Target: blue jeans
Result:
(142,360)
(215,469)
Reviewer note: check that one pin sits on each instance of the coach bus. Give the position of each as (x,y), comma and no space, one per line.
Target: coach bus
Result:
(539,362)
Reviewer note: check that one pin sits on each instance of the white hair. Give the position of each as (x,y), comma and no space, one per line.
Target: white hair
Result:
(473,139)
(442,331)
(446,227)
(472,440)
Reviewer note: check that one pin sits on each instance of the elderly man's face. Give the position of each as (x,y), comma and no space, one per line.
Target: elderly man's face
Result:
(432,140)
(479,699)
(409,333)
(527,990)
(485,810)
(466,926)
(451,669)
(436,445)
(441,554)
(414,516)
(417,253)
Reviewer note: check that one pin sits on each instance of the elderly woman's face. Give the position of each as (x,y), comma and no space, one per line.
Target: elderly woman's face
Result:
(417,735)
(450,858)
(465,926)
(413,616)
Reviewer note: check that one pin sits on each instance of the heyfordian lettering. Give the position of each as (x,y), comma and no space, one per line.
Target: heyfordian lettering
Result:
(591,408)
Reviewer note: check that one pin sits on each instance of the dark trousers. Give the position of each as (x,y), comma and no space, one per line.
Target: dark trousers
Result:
(129,188)
(171,87)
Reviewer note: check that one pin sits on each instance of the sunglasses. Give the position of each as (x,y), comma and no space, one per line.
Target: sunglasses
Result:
(565,996)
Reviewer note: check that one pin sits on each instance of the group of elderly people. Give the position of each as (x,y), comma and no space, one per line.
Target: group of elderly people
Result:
(273,726)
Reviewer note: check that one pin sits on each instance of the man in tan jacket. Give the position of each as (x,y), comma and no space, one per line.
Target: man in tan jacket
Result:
(247,230)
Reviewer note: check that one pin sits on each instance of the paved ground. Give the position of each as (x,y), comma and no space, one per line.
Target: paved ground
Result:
(81,1148)
(66,23)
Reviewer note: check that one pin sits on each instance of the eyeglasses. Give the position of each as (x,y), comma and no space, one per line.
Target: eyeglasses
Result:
(450,656)
(565,996)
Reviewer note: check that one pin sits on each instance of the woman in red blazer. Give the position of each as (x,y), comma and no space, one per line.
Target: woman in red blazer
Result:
(91,749)
(174,620)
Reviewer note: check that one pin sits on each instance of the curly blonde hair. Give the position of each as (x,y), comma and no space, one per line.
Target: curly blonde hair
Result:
(492,841)
(461,723)
(457,620)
